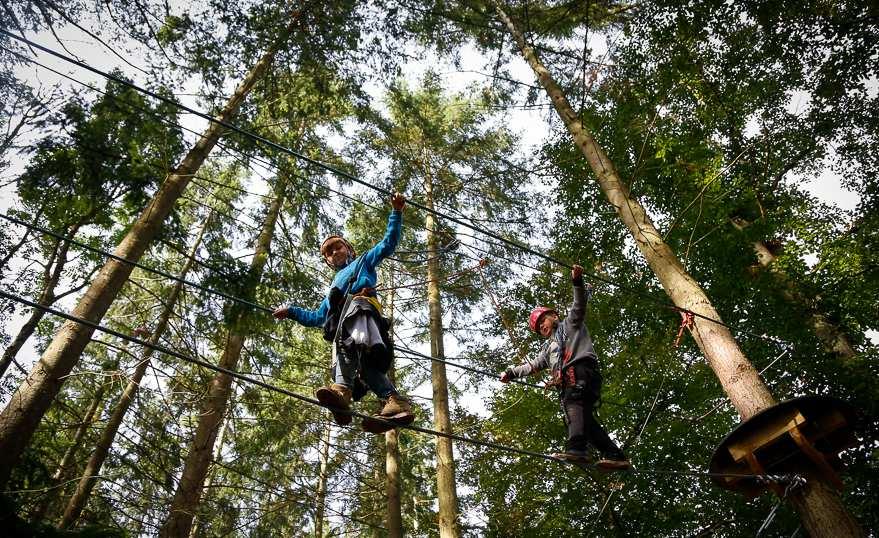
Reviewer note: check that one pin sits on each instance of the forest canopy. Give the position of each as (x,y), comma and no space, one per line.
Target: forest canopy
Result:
(688,191)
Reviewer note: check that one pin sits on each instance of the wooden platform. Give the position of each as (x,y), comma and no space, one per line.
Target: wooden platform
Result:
(804,435)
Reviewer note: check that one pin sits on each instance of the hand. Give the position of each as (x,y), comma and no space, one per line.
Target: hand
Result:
(398,201)
(281,313)
(576,272)
(506,377)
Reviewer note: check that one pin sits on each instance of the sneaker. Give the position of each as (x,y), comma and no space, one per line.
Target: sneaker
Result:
(338,398)
(613,465)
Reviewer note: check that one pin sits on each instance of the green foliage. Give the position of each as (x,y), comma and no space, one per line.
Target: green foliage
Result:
(697,106)
(173,29)
(16,527)
(102,165)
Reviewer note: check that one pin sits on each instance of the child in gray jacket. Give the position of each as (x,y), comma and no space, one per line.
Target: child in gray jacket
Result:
(571,357)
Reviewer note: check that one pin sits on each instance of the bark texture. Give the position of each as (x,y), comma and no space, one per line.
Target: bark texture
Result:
(79,499)
(394,519)
(822,513)
(737,376)
(322,482)
(26,407)
(195,468)
(445,459)
(209,479)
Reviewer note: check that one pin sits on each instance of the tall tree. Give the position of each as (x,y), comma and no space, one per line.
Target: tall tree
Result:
(214,407)
(87,481)
(18,421)
(820,508)
(394,517)
(77,178)
(440,149)
(67,466)
(320,499)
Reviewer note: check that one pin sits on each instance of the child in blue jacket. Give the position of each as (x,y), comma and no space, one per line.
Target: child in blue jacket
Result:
(351,317)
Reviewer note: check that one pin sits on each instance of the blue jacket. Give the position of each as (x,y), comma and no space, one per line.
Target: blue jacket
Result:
(364,265)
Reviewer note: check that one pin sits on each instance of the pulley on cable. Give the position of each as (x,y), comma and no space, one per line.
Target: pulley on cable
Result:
(802,436)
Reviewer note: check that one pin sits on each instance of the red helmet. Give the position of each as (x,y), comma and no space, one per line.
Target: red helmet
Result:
(535,316)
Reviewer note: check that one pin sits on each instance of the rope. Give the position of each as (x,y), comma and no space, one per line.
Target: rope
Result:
(315,402)
(451,277)
(793,484)
(228,149)
(725,402)
(132,263)
(268,386)
(462,366)
(211,290)
(246,302)
(329,168)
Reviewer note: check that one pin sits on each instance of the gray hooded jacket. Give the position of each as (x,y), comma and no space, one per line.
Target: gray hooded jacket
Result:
(570,344)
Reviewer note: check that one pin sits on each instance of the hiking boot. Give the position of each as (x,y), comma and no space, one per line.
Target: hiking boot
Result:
(613,465)
(377,424)
(338,398)
(394,406)
(573,456)
(395,412)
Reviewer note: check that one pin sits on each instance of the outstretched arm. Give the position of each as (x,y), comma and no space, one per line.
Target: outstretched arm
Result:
(386,246)
(528,368)
(308,318)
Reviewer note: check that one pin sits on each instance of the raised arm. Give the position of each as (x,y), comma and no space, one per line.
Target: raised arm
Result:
(577,315)
(386,246)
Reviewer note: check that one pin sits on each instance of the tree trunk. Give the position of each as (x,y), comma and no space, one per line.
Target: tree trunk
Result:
(394,522)
(445,459)
(87,482)
(833,338)
(50,281)
(737,376)
(394,518)
(218,450)
(189,489)
(21,242)
(322,482)
(68,461)
(20,418)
